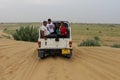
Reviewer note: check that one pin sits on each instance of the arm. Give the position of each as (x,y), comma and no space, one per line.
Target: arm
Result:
(42,34)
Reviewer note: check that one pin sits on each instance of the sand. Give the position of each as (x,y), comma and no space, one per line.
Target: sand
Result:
(19,61)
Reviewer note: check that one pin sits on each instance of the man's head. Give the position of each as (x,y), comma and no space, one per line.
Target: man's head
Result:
(49,21)
(44,23)
(62,23)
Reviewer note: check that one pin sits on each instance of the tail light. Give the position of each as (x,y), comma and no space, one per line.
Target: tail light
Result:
(39,44)
(70,43)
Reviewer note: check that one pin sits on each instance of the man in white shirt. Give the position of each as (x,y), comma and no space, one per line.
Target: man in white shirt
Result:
(44,31)
(50,26)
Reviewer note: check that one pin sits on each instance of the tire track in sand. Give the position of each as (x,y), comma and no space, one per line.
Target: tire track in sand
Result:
(98,63)
(19,61)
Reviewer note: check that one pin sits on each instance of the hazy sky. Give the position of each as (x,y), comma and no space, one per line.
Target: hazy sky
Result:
(88,11)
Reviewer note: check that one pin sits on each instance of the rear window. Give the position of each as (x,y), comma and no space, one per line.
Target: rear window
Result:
(60,31)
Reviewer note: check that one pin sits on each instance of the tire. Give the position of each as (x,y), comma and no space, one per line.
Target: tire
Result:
(69,55)
(41,54)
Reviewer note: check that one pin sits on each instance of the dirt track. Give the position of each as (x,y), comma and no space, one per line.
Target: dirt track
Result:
(19,61)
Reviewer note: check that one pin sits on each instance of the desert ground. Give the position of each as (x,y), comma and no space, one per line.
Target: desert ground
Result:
(19,61)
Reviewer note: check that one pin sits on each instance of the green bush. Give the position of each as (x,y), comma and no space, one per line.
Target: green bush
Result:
(27,33)
(5,29)
(90,42)
(87,28)
(116,46)
(97,38)
(100,31)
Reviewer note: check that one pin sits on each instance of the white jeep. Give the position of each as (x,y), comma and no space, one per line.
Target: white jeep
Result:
(55,44)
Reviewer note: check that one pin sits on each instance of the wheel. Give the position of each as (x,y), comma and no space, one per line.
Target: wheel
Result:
(69,55)
(41,54)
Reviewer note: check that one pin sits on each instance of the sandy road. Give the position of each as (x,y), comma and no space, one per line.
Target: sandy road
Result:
(19,61)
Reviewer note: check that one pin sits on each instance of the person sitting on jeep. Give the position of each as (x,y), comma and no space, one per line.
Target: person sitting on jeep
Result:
(50,26)
(44,31)
(57,29)
(63,30)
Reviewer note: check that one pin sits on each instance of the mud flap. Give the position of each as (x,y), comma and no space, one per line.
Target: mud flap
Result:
(41,54)
(69,55)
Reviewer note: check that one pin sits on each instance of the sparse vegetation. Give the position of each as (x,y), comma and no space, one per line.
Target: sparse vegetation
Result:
(79,31)
(111,25)
(100,31)
(87,28)
(28,33)
(5,29)
(90,42)
(97,38)
(111,29)
(116,46)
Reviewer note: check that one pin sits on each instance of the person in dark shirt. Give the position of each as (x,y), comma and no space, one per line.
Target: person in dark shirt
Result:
(57,29)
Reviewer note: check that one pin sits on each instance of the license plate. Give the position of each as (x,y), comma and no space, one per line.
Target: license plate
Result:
(65,51)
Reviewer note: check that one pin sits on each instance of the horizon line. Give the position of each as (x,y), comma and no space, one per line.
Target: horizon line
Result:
(61,20)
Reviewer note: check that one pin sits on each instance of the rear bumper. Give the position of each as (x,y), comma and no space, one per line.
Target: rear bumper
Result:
(53,51)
